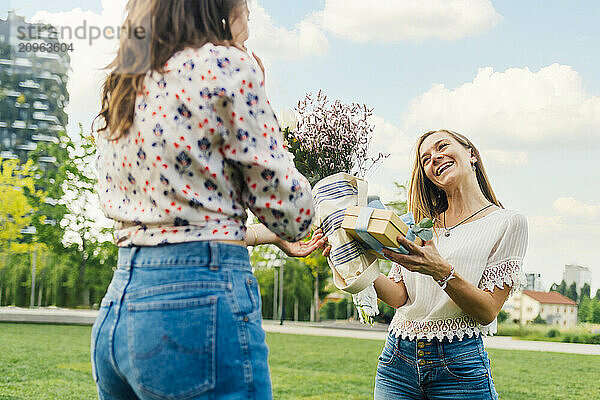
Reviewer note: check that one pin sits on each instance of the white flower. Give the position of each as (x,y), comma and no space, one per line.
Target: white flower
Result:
(287,119)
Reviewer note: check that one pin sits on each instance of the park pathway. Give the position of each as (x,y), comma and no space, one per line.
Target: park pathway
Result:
(327,328)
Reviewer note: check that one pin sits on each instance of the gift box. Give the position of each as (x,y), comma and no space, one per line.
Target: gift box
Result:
(366,224)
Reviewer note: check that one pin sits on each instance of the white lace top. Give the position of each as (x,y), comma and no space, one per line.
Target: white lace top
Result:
(487,252)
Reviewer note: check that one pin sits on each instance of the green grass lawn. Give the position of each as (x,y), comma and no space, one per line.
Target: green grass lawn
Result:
(40,362)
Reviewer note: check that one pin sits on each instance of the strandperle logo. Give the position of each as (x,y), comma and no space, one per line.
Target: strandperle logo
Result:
(84,31)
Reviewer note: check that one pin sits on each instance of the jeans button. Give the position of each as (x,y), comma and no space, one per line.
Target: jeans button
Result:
(420,353)
(246,319)
(420,345)
(422,362)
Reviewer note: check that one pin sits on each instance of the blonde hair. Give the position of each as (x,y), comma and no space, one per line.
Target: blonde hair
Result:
(425,200)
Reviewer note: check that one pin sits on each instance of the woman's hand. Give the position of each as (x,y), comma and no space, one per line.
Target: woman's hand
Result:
(301,248)
(422,259)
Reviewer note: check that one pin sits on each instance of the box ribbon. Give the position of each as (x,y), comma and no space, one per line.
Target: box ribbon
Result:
(362,223)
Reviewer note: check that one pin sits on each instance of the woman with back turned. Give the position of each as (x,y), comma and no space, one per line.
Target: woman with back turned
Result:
(187,142)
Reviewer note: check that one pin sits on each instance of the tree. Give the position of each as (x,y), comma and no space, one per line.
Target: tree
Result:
(572,292)
(320,271)
(585,291)
(597,297)
(17,184)
(562,288)
(539,320)
(82,253)
(299,281)
(585,311)
(400,206)
(596,312)
(16,181)
(502,316)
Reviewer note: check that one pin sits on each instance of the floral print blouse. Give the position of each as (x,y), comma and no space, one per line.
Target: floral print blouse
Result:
(204,146)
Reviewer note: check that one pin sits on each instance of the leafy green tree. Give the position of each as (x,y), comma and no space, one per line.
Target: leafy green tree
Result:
(400,205)
(16,211)
(320,271)
(17,184)
(81,254)
(539,320)
(298,289)
(585,291)
(560,288)
(572,292)
(597,297)
(585,311)
(596,312)
(502,316)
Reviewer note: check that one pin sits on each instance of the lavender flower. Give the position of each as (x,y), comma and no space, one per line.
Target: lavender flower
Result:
(331,138)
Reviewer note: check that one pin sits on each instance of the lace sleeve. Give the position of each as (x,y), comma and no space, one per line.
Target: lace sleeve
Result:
(395,273)
(505,263)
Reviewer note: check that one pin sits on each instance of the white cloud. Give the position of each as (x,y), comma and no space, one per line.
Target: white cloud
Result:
(570,207)
(555,241)
(516,108)
(395,20)
(87,60)
(389,139)
(505,159)
(271,42)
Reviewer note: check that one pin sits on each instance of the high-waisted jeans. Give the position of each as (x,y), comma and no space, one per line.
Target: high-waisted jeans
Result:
(181,321)
(434,369)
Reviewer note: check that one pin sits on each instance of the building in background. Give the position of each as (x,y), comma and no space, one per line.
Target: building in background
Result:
(534,282)
(552,307)
(33,88)
(577,274)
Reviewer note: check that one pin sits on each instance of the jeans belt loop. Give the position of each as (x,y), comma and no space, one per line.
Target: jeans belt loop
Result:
(214,256)
(440,345)
(132,256)
(128,257)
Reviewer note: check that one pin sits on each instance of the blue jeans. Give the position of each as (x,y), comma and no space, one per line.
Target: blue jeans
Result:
(181,321)
(436,369)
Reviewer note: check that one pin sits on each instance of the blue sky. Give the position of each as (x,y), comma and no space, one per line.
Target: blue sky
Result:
(534,112)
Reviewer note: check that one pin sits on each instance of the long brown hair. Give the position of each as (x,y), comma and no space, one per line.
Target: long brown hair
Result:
(174,25)
(425,200)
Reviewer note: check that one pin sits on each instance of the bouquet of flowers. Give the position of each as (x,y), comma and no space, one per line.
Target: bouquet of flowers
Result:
(331,138)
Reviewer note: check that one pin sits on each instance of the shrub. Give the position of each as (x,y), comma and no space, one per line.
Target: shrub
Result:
(502,316)
(553,333)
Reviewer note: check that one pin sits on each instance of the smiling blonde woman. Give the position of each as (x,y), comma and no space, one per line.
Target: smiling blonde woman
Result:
(449,291)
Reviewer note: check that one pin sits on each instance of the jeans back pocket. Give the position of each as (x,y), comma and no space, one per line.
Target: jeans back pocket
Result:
(172,346)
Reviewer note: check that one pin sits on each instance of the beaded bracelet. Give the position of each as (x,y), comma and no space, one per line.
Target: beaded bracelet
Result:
(444,282)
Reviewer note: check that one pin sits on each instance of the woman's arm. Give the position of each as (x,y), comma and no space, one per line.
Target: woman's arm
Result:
(259,234)
(392,293)
(481,305)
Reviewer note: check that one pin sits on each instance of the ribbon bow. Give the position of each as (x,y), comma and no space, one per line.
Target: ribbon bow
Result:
(423,229)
